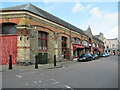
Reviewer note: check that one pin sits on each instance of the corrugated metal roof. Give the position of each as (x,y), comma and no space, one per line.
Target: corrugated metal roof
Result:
(42,13)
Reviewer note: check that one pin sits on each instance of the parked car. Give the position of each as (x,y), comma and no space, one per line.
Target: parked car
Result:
(108,54)
(104,54)
(85,57)
(95,56)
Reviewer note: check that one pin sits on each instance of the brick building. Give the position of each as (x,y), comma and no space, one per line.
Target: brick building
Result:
(28,31)
(111,45)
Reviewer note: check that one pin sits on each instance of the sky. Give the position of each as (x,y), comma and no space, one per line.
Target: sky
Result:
(100,16)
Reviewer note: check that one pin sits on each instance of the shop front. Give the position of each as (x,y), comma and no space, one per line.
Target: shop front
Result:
(77,51)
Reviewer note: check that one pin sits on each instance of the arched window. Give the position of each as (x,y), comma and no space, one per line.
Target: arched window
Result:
(94,45)
(107,47)
(9,28)
(113,45)
(84,42)
(42,40)
(76,40)
(64,47)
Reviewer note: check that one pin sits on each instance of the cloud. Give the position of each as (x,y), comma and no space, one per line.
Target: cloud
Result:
(111,16)
(96,12)
(107,24)
(77,7)
(88,6)
(45,1)
(115,31)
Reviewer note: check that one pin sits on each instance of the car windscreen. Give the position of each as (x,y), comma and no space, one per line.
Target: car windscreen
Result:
(89,55)
(94,55)
(83,55)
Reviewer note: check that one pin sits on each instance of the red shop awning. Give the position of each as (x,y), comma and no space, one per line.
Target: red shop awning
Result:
(99,49)
(86,47)
(95,48)
(77,46)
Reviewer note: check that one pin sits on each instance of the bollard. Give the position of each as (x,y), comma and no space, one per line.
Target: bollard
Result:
(36,62)
(54,60)
(10,61)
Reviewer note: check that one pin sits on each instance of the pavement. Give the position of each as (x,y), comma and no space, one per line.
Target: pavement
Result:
(18,67)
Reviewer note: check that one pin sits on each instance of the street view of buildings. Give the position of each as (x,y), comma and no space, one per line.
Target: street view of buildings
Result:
(28,31)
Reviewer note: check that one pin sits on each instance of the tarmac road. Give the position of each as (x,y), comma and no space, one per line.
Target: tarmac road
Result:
(101,73)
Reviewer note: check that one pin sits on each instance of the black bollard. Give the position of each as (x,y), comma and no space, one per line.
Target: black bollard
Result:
(10,61)
(54,60)
(36,62)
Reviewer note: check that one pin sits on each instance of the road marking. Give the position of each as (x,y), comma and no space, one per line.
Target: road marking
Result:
(26,84)
(67,86)
(55,83)
(18,76)
(35,82)
(52,79)
(40,81)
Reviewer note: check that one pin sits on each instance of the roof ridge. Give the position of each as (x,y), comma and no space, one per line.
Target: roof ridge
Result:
(53,16)
(27,6)
(14,6)
(36,10)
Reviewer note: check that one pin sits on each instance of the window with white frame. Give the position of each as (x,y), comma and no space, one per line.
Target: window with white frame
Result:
(93,45)
(96,45)
(85,42)
(75,40)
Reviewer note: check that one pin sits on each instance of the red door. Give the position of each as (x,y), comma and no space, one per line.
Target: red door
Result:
(8,46)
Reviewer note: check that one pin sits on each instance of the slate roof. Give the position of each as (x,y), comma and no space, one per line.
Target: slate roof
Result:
(44,14)
(96,38)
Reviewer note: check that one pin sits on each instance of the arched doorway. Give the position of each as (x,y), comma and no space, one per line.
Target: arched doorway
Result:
(8,43)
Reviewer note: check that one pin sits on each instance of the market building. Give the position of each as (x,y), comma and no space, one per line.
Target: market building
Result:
(28,31)
(111,45)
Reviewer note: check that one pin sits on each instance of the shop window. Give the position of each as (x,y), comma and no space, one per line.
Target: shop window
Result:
(106,51)
(64,47)
(96,45)
(93,45)
(75,40)
(9,28)
(85,43)
(107,47)
(42,40)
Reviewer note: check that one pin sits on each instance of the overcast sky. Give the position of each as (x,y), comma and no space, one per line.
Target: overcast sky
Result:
(101,16)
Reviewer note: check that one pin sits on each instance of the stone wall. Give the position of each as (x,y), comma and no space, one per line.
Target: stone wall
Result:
(27,49)
(23,49)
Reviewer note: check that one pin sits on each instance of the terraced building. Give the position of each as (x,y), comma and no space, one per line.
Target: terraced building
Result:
(28,31)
